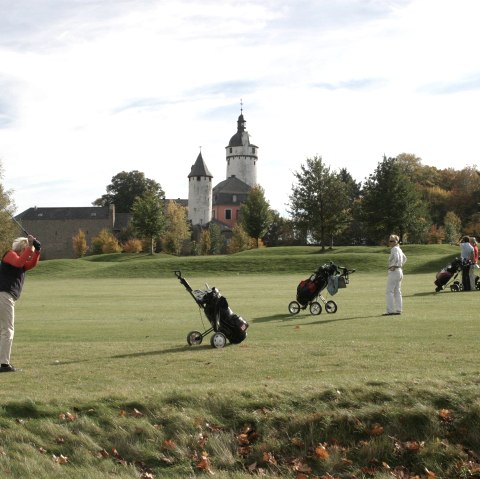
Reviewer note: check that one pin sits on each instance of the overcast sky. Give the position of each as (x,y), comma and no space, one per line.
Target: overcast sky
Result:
(90,88)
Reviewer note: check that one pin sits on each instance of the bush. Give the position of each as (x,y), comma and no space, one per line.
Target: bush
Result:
(132,246)
(105,242)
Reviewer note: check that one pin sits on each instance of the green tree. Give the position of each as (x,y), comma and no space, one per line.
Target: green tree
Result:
(148,218)
(391,203)
(125,188)
(216,239)
(9,229)
(255,214)
(177,228)
(319,202)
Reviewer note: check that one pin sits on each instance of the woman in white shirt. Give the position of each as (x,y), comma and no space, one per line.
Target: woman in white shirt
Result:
(396,261)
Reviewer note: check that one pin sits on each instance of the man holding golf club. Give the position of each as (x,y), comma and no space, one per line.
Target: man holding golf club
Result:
(23,256)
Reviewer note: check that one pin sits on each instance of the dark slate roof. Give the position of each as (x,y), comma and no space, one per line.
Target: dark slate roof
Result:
(232,191)
(232,185)
(236,140)
(200,168)
(64,213)
(179,201)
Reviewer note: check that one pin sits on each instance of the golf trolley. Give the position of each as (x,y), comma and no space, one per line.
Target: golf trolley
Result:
(309,291)
(224,323)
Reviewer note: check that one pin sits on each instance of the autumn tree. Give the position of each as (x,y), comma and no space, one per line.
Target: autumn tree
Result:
(9,230)
(125,188)
(240,241)
(319,203)
(391,203)
(205,242)
(79,244)
(453,227)
(148,218)
(177,229)
(255,214)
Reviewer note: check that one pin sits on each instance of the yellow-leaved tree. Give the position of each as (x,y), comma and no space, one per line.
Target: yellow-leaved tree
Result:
(177,229)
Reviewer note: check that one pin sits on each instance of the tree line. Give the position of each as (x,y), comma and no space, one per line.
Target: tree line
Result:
(422,204)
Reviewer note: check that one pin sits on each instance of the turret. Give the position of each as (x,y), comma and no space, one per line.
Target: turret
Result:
(200,193)
(242,155)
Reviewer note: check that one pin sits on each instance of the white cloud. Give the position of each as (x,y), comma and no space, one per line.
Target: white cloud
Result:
(91,88)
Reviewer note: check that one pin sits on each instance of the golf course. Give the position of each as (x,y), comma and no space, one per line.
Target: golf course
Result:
(109,387)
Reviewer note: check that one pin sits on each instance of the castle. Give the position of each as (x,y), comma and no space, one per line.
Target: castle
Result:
(56,226)
(222,202)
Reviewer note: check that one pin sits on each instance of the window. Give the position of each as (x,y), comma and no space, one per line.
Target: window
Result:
(253,150)
(234,198)
(228,214)
(198,178)
(231,150)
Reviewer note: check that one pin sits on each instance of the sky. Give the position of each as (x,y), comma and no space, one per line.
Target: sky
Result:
(91,88)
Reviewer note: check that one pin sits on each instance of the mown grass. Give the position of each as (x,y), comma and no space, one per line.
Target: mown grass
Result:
(109,387)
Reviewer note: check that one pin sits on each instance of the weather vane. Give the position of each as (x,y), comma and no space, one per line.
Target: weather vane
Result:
(241,105)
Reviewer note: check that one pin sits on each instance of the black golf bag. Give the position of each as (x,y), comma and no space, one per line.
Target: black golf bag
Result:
(447,274)
(224,323)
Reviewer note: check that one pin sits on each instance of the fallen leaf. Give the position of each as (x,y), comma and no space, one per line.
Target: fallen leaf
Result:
(376,430)
(322,453)
(169,444)
(269,457)
(60,459)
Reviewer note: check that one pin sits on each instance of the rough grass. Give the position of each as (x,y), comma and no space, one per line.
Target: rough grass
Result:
(109,387)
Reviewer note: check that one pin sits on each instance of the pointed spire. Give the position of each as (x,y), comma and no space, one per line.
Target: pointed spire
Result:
(199,168)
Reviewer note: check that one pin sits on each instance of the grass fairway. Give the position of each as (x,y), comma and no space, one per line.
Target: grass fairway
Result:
(110,388)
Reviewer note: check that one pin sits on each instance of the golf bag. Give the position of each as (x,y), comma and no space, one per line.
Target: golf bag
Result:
(328,276)
(447,274)
(224,323)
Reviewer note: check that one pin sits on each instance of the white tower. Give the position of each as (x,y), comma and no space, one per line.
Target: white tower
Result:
(200,193)
(242,155)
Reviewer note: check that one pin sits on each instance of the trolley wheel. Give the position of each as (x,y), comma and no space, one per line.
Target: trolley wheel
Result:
(294,307)
(331,307)
(218,340)
(315,308)
(194,337)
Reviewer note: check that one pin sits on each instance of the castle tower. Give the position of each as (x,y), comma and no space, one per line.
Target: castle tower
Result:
(200,193)
(242,155)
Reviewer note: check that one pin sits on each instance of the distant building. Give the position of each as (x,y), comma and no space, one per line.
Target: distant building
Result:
(223,202)
(55,227)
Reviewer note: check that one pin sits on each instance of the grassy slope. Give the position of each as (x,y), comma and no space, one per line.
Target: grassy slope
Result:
(301,260)
(343,394)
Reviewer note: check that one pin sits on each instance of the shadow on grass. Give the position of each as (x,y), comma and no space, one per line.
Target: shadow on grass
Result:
(180,349)
(290,317)
(273,317)
(332,319)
